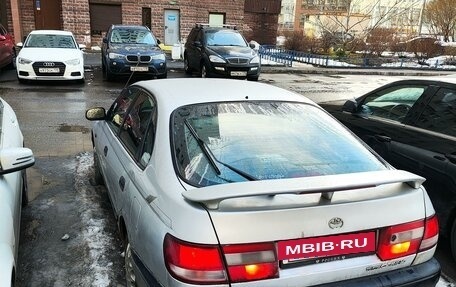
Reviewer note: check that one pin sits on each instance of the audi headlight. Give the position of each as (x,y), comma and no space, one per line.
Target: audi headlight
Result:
(255,60)
(159,57)
(73,62)
(216,59)
(114,56)
(24,61)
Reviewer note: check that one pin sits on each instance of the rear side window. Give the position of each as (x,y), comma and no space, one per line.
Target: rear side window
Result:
(440,114)
(232,142)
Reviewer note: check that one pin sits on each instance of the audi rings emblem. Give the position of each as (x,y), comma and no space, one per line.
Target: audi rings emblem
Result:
(48,64)
(336,222)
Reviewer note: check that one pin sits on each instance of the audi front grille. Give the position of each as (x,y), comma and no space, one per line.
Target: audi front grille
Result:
(40,65)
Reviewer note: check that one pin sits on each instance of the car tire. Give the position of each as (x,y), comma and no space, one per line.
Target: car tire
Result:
(163,76)
(255,79)
(453,240)
(107,76)
(130,275)
(204,71)
(22,81)
(187,68)
(97,175)
(25,199)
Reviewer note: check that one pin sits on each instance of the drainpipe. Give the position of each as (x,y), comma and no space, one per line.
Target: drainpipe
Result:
(16,19)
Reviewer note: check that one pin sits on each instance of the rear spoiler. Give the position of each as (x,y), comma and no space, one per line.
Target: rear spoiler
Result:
(211,196)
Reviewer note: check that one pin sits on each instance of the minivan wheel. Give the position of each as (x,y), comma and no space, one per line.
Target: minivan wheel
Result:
(25,199)
(97,176)
(129,271)
(453,240)
(204,71)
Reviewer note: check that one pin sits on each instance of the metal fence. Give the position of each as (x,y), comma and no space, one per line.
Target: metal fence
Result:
(288,57)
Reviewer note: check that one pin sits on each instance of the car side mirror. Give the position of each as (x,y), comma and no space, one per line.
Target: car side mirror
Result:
(158,42)
(95,114)
(2,38)
(82,46)
(15,159)
(197,44)
(350,106)
(19,45)
(105,40)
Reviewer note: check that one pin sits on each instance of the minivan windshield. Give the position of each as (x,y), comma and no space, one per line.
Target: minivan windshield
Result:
(218,143)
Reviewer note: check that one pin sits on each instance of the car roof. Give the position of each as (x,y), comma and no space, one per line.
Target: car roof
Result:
(130,26)
(55,32)
(173,93)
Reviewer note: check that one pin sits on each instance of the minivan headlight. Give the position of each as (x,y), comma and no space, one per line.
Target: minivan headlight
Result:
(255,60)
(216,59)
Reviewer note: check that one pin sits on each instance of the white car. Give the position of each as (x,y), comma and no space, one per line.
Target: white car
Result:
(50,55)
(221,182)
(14,159)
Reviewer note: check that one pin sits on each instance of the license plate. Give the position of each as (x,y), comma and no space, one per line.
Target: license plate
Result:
(238,74)
(139,69)
(49,70)
(291,251)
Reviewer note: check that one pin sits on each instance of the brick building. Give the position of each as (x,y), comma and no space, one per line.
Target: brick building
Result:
(170,20)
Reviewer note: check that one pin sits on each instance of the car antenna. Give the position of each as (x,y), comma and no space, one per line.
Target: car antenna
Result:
(131,75)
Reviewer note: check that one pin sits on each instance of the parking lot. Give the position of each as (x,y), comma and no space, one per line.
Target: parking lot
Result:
(68,235)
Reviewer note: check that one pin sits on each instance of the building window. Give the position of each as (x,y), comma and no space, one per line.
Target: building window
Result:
(216,19)
(102,16)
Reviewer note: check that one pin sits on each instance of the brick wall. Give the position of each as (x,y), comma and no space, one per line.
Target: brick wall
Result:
(76,18)
(27,16)
(261,27)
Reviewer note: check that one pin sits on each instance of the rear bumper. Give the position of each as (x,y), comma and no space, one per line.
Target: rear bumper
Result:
(422,275)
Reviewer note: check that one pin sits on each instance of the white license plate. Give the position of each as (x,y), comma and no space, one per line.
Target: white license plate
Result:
(139,69)
(49,70)
(238,74)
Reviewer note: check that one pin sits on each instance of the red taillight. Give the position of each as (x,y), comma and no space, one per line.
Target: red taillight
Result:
(409,238)
(194,263)
(249,262)
(203,264)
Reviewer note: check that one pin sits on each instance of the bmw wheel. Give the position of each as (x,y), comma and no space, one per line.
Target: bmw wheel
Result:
(187,69)
(129,271)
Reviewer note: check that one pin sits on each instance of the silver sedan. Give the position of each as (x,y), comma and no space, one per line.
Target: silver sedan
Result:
(233,183)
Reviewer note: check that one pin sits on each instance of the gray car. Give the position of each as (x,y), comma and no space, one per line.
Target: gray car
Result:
(223,182)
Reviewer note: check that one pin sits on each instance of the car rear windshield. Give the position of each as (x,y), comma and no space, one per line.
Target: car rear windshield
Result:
(220,143)
(132,36)
(224,38)
(50,41)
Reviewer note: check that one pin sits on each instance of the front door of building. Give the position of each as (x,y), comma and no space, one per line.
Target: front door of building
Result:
(48,14)
(171,27)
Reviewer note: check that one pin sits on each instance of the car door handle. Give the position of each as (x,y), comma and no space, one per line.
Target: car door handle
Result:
(383,139)
(122,183)
(105,150)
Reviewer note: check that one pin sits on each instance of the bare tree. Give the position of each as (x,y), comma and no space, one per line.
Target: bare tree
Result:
(350,21)
(441,16)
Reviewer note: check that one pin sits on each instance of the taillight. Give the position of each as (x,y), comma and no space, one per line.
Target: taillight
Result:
(203,264)
(249,262)
(194,263)
(409,238)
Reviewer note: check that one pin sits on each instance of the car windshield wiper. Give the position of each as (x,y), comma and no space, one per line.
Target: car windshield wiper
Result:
(212,159)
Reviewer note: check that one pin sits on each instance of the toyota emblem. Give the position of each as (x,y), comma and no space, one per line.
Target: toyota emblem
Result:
(48,64)
(336,222)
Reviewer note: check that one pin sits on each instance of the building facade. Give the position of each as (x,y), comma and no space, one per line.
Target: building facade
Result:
(170,20)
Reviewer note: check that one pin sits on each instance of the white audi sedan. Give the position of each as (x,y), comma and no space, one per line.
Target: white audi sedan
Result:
(50,55)
(14,159)
(221,182)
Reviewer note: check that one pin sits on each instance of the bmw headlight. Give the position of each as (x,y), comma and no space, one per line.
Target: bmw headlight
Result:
(216,59)
(114,56)
(73,62)
(24,61)
(159,57)
(255,60)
